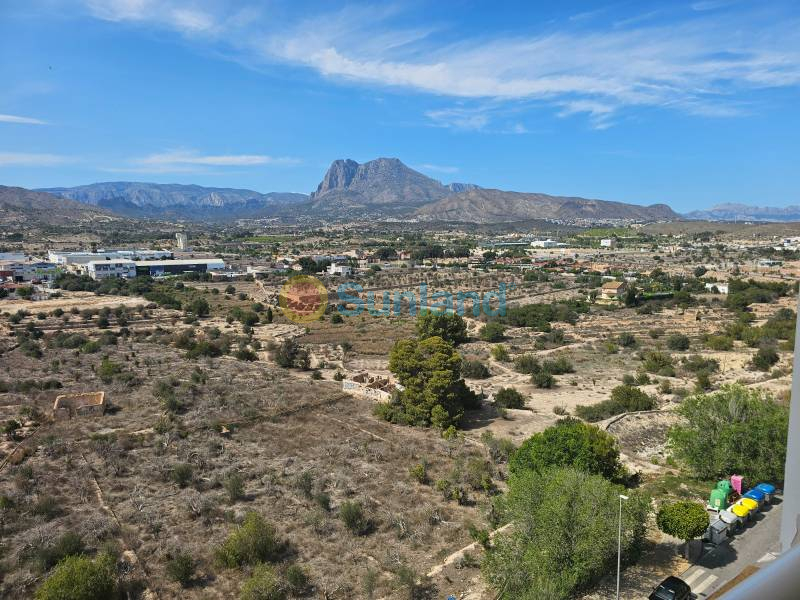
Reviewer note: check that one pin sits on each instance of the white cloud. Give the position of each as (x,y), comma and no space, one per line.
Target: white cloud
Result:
(438,168)
(21,120)
(699,65)
(25,159)
(183,157)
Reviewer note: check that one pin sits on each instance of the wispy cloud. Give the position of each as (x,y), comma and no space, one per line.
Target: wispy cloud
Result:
(188,161)
(21,120)
(25,159)
(438,168)
(677,63)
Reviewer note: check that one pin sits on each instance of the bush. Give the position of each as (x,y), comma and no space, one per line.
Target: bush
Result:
(234,486)
(678,341)
(352,515)
(719,342)
(527,364)
(626,340)
(69,544)
(419,472)
(80,578)
(336,318)
(263,584)
(475,369)
(624,398)
(509,398)
(569,443)
(180,568)
(559,366)
(297,579)
(492,332)
(181,474)
(543,379)
(659,363)
(252,543)
(765,358)
(500,353)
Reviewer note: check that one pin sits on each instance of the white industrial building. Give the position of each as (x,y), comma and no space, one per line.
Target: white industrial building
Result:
(544,244)
(608,243)
(103,269)
(82,258)
(342,270)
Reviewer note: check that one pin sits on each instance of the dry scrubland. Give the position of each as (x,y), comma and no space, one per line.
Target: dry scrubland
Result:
(151,482)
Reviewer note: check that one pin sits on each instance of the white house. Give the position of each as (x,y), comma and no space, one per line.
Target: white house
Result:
(608,243)
(342,270)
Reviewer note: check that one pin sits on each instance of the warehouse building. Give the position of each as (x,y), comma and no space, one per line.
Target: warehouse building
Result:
(158,268)
(82,258)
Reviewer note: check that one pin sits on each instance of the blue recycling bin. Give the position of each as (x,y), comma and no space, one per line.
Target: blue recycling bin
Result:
(756,495)
(767,489)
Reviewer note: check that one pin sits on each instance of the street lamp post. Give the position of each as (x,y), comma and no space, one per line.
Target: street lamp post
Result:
(619,542)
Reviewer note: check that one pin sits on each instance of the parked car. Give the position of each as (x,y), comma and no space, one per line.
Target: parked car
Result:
(672,588)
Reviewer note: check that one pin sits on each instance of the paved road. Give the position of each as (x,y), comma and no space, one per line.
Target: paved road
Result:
(758,543)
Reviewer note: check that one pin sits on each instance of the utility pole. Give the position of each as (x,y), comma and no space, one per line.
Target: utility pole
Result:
(619,542)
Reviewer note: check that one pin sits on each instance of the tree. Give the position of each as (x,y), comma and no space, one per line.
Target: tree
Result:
(564,536)
(492,332)
(733,430)
(569,443)
(286,353)
(684,520)
(474,369)
(434,392)
(450,327)
(80,578)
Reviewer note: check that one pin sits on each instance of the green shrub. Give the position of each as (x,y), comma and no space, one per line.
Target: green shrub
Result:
(296,579)
(180,568)
(527,364)
(492,332)
(678,341)
(624,398)
(559,366)
(719,342)
(80,578)
(419,472)
(500,353)
(474,369)
(765,358)
(263,584)
(234,486)
(352,515)
(68,544)
(509,398)
(253,542)
(543,379)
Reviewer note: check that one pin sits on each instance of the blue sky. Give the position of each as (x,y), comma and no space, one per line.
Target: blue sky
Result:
(689,103)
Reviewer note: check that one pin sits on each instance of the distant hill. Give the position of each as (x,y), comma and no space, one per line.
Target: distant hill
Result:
(742,212)
(383,188)
(23,206)
(496,206)
(172,200)
(384,183)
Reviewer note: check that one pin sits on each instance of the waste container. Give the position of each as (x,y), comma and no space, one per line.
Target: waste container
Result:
(768,489)
(718,499)
(756,495)
(725,486)
(734,522)
(737,482)
(752,505)
(741,511)
(717,532)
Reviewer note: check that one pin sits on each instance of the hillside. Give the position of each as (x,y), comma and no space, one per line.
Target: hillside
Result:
(743,212)
(138,199)
(496,206)
(28,207)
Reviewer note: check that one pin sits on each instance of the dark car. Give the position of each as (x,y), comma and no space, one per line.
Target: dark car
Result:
(672,588)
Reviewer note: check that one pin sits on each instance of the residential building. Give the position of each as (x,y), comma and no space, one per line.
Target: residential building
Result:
(341,270)
(103,269)
(608,243)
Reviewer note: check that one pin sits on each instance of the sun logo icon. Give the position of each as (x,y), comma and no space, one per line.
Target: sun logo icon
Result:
(303,299)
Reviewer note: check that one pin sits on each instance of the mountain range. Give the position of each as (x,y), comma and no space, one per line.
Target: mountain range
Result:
(380,188)
(20,205)
(743,212)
